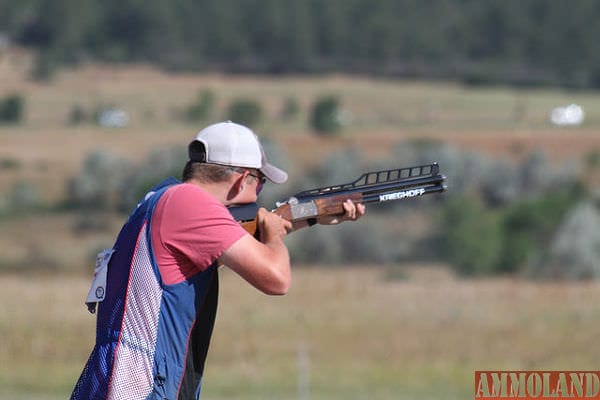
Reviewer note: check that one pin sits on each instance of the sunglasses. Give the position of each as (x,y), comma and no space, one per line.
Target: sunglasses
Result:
(261,181)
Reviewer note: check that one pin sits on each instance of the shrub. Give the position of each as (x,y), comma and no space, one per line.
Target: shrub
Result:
(348,243)
(24,196)
(160,164)
(245,111)
(45,66)
(11,108)
(202,107)
(340,167)
(108,182)
(365,242)
(592,159)
(316,246)
(4,206)
(465,170)
(472,240)
(575,249)
(529,226)
(9,163)
(77,115)
(479,240)
(290,109)
(100,182)
(499,181)
(324,116)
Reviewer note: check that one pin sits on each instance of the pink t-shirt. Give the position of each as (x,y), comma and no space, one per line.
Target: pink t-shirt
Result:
(190,230)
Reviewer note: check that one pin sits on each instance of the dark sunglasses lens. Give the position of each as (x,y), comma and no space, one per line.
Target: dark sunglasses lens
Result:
(259,185)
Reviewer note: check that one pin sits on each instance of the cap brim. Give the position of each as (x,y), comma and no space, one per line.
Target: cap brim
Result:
(273,173)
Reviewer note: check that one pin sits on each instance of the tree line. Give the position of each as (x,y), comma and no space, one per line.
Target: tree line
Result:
(529,42)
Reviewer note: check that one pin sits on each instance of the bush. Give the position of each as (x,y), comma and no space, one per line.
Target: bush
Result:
(479,240)
(77,115)
(25,196)
(290,109)
(245,111)
(109,183)
(575,249)
(319,245)
(100,183)
(324,116)
(45,66)
(499,181)
(11,108)
(592,159)
(159,165)
(340,167)
(529,226)
(472,240)
(348,243)
(9,163)
(202,107)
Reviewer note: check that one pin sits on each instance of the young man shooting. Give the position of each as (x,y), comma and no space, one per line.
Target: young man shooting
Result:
(159,300)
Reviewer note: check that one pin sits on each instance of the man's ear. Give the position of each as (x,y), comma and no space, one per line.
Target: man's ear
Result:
(237,187)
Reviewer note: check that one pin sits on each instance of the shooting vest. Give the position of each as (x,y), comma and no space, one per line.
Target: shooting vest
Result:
(151,338)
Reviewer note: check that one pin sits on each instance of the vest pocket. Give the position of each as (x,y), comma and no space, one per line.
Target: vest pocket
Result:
(160,378)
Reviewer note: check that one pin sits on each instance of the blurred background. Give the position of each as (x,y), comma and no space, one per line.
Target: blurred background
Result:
(98,101)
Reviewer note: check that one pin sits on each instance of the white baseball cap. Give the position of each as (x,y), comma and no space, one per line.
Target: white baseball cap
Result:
(228,143)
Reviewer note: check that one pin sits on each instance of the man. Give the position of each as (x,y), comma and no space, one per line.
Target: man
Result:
(159,294)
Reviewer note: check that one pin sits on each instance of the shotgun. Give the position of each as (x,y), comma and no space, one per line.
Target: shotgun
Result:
(371,187)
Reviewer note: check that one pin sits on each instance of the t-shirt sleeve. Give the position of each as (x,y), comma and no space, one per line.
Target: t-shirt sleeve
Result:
(194,229)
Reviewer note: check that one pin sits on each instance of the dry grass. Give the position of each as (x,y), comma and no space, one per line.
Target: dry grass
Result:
(342,333)
(418,338)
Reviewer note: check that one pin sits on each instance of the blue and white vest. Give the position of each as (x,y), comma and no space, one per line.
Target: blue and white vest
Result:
(151,339)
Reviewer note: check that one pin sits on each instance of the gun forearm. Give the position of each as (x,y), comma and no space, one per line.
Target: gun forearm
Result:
(325,206)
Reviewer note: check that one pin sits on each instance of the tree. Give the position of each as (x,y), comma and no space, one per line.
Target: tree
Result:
(472,237)
(11,108)
(324,117)
(245,111)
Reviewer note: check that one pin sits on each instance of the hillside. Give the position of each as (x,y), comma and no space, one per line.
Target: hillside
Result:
(383,113)
(46,150)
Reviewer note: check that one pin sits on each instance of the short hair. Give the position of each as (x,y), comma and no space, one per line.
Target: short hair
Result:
(206,172)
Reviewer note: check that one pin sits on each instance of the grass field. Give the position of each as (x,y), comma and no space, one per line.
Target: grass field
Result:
(342,333)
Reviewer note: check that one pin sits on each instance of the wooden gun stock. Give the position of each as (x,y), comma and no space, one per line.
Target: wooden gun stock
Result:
(250,226)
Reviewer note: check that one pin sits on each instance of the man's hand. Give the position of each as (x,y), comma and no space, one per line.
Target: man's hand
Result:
(265,265)
(352,213)
(271,226)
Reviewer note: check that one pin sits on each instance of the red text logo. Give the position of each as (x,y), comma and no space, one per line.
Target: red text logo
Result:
(539,385)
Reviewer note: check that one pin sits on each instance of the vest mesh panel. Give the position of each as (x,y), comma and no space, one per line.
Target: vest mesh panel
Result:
(132,376)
